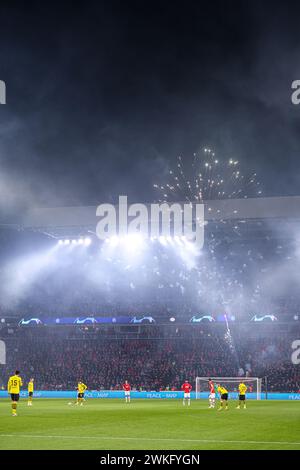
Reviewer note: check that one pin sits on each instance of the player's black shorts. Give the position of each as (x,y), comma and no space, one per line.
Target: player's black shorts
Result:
(242,397)
(15,396)
(224,396)
(30,394)
(80,395)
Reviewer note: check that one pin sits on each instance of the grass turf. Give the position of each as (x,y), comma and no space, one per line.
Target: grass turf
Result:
(149,424)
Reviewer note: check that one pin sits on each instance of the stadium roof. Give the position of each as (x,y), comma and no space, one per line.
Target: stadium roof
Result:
(66,221)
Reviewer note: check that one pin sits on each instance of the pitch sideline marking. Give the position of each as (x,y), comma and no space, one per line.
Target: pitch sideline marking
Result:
(213,441)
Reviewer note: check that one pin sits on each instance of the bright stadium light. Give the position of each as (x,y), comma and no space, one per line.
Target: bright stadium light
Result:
(87,241)
(80,241)
(178,240)
(133,243)
(163,240)
(60,242)
(114,241)
(67,242)
(133,238)
(74,242)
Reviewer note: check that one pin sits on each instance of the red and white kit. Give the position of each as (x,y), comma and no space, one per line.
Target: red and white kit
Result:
(212,392)
(127,388)
(186,387)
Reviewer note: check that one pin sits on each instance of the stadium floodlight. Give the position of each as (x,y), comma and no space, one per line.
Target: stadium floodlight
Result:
(87,241)
(133,237)
(80,241)
(74,242)
(114,241)
(231,384)
(133,240)
(133,245)
(60,242)
(67,242)
(178,240)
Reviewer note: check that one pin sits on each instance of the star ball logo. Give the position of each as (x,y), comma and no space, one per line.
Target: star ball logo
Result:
(2,92)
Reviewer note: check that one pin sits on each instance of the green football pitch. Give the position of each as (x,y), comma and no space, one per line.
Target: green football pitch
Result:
(149,424)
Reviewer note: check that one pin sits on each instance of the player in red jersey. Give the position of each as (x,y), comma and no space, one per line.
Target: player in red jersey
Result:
(127,388)
(186,387)
(212,394)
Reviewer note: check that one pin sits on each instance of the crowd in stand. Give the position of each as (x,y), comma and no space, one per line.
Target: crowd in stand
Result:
(58,361)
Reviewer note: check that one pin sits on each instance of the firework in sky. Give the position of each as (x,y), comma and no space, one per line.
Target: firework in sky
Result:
(207,178)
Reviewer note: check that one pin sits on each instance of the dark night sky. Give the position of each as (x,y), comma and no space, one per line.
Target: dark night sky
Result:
(103,96)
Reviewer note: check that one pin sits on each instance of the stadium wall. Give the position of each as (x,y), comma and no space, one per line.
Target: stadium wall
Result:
(151,395)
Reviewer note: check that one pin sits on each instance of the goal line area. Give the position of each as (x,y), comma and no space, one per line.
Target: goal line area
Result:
(254,385)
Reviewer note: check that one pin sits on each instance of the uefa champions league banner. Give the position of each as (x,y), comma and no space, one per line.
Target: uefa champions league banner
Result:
(150,395)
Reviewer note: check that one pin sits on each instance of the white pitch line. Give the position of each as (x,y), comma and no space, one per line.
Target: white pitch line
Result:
(213,441)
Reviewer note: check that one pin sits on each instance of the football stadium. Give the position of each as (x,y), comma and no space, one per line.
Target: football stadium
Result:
(133,340)
(149,229)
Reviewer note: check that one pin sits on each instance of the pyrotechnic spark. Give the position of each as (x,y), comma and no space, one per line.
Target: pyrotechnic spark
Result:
(208,178)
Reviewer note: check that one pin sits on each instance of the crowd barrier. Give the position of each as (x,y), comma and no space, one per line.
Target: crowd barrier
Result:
(151,395)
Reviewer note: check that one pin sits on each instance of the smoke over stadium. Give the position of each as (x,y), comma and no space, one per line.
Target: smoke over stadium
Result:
(149,333)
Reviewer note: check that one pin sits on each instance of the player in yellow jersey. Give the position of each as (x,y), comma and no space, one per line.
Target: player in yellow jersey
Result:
(223,397)
(13,387)
(30,391)
(81,388)
(242,395)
